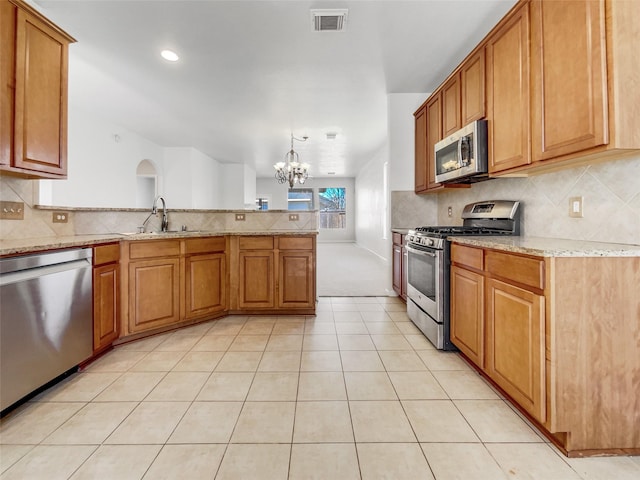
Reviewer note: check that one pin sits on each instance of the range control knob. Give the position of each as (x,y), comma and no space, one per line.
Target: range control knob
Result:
(431,242)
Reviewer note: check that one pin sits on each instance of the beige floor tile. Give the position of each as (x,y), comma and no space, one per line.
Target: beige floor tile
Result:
(322,422)
(158,362)
(463,384)
(347,317)
(351,328)
(280,362)
(462,461)
(81,387)
(268,386)
(178,343)
(320,342)
(50,462)
(408,328)
(397,461)
(149,423)
(438,421)
(419,341)
(265,422)
(320,461)
(92,424)
(380,316)
(284,343)
(36,421)
(369,386)
(399,316)
(294,327)
(198,329)
(403,361)
(597,468)
(10,454)
(342,300)
(144,344)
(213,343)
(494,421)
(437,360)
(321,386)
(130,387)
(321,316)
(178,387)
(417,386)
(396,307)
(321,361)
(118,360)
(242,462)
(319,327)
(345,307)
(532,462)
(239,362)
(373,300)
(249,343)
(257,327)
(380,422)
(124,462)
(370,307)
(355,342)
(207,422)
(382,328)
(198,362)
(226,386)
(361,361)
(391,342)
(225,329)
(387,300)
(192,462)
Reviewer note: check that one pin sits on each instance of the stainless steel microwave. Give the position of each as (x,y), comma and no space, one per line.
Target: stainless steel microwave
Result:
(462,155)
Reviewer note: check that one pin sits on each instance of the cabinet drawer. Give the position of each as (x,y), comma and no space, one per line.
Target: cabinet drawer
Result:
(204,245)
(469,256)
(525,270)
(256,243)
(106,253)
(154,248)
(295,243)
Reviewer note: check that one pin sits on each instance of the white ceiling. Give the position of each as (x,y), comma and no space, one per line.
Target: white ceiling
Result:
(250,72)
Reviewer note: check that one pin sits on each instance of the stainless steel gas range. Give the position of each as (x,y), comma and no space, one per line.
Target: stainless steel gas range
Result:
(428,263)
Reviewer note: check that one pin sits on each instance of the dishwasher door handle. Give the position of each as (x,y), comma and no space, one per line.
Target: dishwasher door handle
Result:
(29,274)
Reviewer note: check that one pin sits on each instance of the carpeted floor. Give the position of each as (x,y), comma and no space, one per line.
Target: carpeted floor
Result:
(347,270)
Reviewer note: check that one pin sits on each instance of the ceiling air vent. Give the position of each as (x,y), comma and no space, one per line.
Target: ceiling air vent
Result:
(329,19)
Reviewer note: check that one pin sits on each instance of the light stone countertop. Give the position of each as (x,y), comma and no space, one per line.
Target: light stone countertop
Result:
(38,244)
(402,231)
(551,247)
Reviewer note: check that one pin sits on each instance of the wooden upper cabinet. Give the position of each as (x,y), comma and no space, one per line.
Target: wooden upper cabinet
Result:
(451,110)
(421,150)
(472,88)
(569,77)
(508,93)
(434,135)
(37,112)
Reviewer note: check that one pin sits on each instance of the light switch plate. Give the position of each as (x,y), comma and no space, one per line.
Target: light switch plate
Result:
(60,217)
(240,217)
(575,207)
(11,210)
(293,217)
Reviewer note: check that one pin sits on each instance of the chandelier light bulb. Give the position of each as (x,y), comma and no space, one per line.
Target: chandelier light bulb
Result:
(291,171)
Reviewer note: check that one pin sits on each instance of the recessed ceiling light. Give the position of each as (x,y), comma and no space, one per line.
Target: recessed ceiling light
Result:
(331,173)
(170,55)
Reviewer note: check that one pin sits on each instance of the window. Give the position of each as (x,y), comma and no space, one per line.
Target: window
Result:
(332,207)
(300,199)
(262,203)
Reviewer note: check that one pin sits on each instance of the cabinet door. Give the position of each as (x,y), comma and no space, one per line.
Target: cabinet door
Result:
(106,323)
(421,150)
(451,111)
(257,279)
(516,344)
(434,135)
(296,279)
(473,88)
(204,284)
(397,269)
(40,135)
(154,293)
(467,313)
(508,93)
(7,77)
(569,77)
(405,261)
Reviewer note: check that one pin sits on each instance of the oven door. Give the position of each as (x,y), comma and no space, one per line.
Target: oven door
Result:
(424,280)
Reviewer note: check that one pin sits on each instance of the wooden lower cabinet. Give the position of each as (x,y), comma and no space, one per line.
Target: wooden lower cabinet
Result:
(399,266)
(467,313)
(106,308)
(257,280)
(515,321)
(205,290)
(296,271)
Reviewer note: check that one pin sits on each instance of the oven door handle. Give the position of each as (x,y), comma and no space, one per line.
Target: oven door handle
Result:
(420,252)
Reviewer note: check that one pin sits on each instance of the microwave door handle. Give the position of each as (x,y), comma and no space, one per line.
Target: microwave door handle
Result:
(460,159)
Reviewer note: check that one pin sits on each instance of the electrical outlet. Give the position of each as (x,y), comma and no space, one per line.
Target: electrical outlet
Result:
(240,217)
(11,210)
(575,207)
(449,212)
(293,217)
(60,217)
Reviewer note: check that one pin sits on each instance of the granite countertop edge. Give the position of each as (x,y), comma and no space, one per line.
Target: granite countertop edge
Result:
(39,244)
(551,247)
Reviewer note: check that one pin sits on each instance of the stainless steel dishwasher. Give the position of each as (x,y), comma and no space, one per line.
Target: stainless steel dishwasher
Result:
(46,325)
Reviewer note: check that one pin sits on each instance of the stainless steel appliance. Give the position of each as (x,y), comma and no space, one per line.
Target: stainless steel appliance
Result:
(46,319)
(428,263)
(462,156)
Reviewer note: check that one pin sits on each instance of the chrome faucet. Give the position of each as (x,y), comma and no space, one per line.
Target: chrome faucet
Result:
(154,210)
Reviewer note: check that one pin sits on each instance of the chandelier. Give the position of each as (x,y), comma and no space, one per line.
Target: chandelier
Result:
(291,170)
